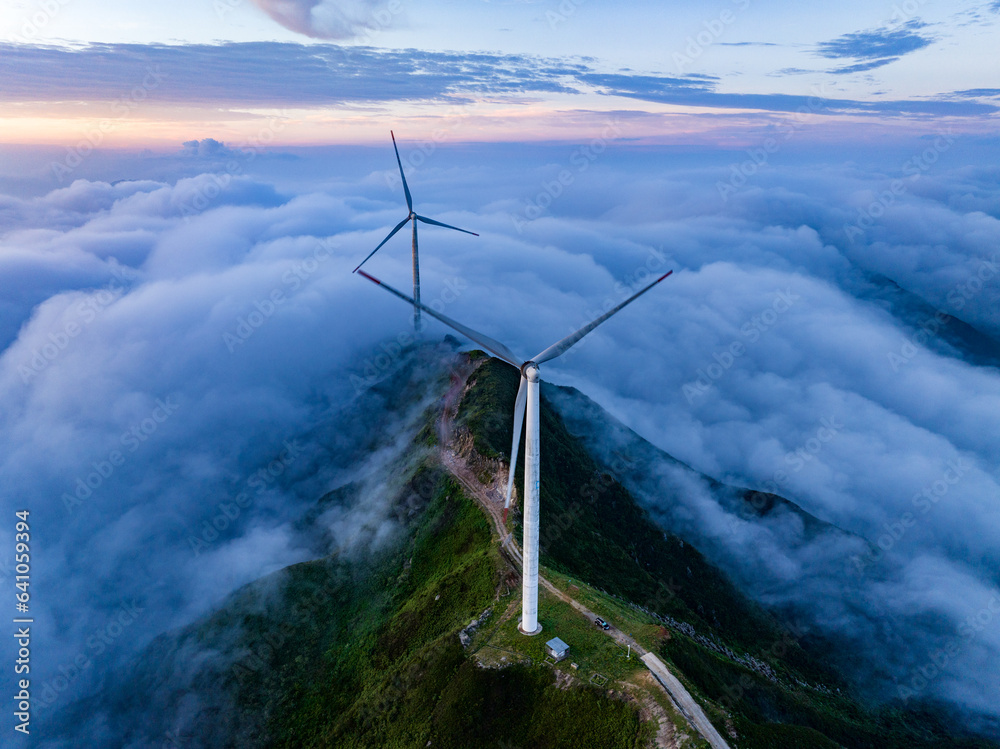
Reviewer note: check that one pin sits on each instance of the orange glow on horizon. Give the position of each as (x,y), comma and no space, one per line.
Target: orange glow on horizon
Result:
(481,122)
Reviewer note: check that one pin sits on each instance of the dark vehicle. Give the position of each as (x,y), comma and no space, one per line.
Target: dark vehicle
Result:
(601,623)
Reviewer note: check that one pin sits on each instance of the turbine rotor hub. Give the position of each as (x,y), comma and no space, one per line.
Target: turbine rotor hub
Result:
(529,370)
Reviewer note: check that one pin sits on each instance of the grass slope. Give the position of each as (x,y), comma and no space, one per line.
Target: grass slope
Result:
(364,653)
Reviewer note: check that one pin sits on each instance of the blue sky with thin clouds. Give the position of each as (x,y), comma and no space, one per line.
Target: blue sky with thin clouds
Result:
(64,62)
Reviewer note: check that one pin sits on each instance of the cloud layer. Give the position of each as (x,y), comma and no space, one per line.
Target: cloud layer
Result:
(877,47)
(272,74)
(179,334)
(330,19)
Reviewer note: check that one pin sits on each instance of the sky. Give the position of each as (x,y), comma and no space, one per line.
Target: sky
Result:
(177,287)
(507,71)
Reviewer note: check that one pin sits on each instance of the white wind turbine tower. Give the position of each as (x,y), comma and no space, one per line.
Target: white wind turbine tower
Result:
(414,217)
(526,402)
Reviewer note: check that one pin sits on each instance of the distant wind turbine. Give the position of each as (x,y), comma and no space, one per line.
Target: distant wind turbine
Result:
(527,399)
(414,217)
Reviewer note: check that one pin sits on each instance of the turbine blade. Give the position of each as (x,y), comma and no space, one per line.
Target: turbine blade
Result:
(519,402)
(399,226)
(446,226)
(560,348)
(406,190)
(485,341)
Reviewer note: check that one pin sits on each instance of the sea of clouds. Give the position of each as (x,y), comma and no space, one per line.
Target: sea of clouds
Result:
(175,326)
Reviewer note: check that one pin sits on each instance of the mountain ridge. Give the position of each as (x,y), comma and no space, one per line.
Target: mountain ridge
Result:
(376,661)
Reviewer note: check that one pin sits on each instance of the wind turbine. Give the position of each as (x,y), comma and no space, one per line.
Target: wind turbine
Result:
(414,217)
(526,401)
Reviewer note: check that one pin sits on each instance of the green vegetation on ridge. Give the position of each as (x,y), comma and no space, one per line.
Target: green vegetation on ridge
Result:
(363,653)
(593,530)
(361,650)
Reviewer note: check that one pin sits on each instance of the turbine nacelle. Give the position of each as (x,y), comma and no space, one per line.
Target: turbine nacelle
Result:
(413,216)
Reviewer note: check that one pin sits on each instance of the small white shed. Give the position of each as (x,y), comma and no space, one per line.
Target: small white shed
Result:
(557,648)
